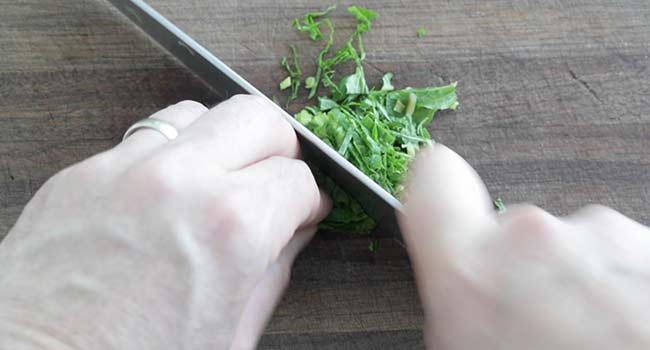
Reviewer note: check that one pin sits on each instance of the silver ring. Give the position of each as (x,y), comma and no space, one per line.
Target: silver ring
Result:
(166,129)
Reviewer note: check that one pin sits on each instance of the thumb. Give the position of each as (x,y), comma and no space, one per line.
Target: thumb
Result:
(447,209)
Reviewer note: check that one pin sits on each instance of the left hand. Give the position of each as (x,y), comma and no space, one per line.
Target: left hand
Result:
(156,244)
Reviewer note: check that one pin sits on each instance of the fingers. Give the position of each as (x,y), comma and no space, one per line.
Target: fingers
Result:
(602,218)
(525,228)
(286,191)
(144,141)
(446,210)
(236,133)
(446,202)
(616,229)
(268,293)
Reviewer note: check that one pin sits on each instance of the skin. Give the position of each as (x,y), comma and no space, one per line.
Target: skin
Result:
(188,244)
(524,279)
(135,249)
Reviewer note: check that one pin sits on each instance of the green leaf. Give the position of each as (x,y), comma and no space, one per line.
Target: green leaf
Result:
(364,16)
(498,204)
(294,75)
(304,117)
(310,82)
(285,84)
(435,98)
(378,131)
(325,104)
(354,84)
(321,55)
(399,106)
(310,25)
(386,84)
(421,32)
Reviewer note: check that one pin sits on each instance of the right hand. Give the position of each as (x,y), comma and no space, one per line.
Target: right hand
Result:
(524,279)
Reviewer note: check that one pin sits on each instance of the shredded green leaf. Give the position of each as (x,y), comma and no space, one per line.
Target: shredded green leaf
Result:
(365,128)
(310,25)
(285,83)
(498,204)
(377,130)
(386,82)
(310,82)
(421,32)
(326,62)
(364,16)
(294,75)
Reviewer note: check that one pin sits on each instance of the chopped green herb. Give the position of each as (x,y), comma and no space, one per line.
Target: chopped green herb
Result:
(386,82)
(377,130)
(309,25)
(364,16)
(399,107)
(310,82)
(410,105)
(421,32)
(325,66)
(498,204)
(325,104)
(294,74)
(285,83)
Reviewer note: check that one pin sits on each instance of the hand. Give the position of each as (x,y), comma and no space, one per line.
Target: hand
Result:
(524,279)
(155,244)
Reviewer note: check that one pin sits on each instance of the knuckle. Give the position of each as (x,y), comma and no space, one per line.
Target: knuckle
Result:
(232,223)
(278,124)
(597,211)
(245,99)
(531,221)
(305,176)
(261,116)
(599,218)
(264,113)
(231,213)
(192,106)
(296,170)
(300,168)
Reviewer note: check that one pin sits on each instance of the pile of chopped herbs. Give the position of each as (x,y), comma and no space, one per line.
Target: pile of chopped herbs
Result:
(379,130)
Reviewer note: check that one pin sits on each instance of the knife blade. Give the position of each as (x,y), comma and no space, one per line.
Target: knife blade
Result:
(376,201)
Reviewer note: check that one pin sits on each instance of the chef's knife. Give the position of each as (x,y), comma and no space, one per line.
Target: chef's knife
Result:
(378,203)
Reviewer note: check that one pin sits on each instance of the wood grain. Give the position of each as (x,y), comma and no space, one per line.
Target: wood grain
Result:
(555,110)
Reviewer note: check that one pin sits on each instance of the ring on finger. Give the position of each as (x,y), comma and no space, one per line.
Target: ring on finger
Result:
(164,128)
